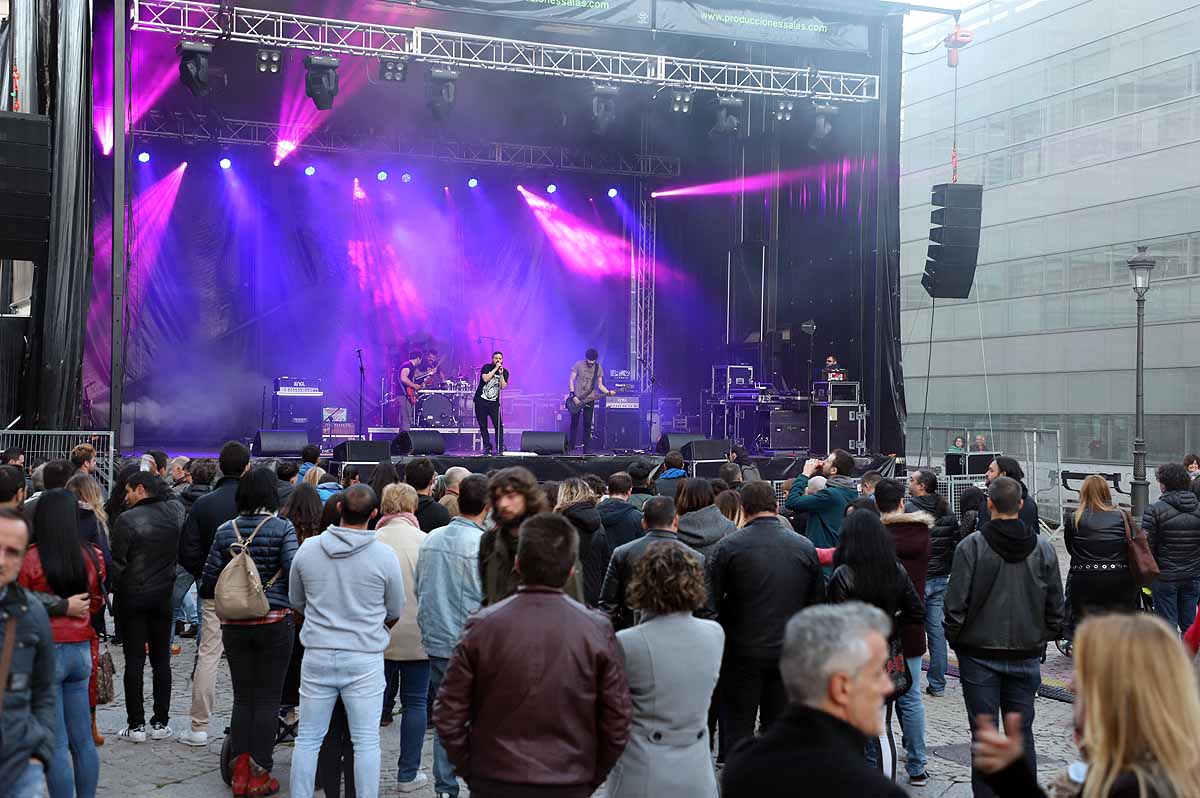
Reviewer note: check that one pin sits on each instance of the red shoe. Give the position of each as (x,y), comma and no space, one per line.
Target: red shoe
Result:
(241,775)
(261,783)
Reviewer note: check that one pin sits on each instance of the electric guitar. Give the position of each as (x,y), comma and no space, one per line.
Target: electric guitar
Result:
(421,378)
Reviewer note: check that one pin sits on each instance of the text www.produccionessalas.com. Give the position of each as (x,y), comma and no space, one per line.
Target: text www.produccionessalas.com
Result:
(763,22)
(601,4)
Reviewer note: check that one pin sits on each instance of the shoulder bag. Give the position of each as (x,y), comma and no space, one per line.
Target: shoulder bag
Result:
(1141,560)
(240,594)
(105,670)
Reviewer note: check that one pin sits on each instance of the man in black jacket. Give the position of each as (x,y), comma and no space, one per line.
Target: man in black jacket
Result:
(1009,467)
(421,474)
(1004,603)
(145,548)
(643,491)
(832,663)
(210,511)
(30,706)
(924,497)
(1172,525)
(761,575)
(661,523)
(622,523)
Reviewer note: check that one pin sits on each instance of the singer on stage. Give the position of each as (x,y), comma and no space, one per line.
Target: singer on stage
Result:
(493,378)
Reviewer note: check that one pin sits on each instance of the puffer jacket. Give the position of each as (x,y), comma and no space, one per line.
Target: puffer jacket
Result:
(943,535)
(911,534)
(703,529)
(145,549)
(30,704)
(1173,526)
(272,551)
(903,605)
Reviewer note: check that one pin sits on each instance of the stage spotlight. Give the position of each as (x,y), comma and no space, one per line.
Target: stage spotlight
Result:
(728,123)
(143,157)
(381,175)
(784,109)
(309,171)
(823,124)
(392,70)
(550,189)
(681,101)
(604,106)
(225,163)
(472,183)
(406,178)
(612,193)
(193,66)
(439,91)
(321,80)
(269,62)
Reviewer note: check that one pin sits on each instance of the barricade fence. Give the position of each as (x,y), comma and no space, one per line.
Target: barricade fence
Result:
(41,446)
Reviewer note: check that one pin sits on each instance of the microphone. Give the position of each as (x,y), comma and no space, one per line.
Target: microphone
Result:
(359,351)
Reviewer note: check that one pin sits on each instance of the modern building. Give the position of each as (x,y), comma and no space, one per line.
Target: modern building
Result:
(1081,118)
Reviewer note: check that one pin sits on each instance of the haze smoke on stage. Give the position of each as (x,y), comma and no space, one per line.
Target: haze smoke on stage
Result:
(582,247)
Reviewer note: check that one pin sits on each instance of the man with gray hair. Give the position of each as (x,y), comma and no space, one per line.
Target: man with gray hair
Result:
(454,477)
(834,671)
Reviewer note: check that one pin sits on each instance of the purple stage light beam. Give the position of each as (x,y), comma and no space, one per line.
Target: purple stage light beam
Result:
(823,186)
(151,211)
(583,248)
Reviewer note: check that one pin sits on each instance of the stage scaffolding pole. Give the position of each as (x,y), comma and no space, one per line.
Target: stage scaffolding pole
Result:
(117,362)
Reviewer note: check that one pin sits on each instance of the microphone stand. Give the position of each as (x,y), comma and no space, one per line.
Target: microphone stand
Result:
(262,410)
(362,386)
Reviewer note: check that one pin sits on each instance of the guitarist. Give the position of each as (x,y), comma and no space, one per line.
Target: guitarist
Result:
(586,386)
(412,379)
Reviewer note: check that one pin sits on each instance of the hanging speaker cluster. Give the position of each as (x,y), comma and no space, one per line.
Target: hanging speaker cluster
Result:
(953,240)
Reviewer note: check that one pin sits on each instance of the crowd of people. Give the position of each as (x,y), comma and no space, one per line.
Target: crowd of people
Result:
(662,636)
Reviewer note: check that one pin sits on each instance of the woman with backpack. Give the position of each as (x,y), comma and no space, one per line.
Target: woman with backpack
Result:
(258,644)
(61,564)
(866,569)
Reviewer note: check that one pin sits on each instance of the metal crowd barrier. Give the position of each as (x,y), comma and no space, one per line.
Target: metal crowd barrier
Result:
(44,445)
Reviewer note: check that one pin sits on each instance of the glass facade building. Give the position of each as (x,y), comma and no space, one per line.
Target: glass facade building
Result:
(1082,122)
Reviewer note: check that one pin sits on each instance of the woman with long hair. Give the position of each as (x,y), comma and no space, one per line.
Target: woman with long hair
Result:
(93,529)
(701,522)
(1137,717)
(60,563)
(672,661)
(258,649)
(1099,579)
(729,502)
(866,569)
(577,501)
(972,505)
(303,509)
(116,497)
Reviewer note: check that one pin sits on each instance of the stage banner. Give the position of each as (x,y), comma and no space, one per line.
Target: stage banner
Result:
(764,22)
(616,13)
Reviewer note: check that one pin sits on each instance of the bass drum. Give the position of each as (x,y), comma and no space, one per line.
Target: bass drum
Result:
(436,411)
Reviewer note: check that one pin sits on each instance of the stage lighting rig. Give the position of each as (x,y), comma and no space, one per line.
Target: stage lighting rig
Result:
(321,80)
(269,62)
(681,101)
(783,110)
(728,123)
(604,106)
(193,66)
(822,124)
(439,91)
(393,70)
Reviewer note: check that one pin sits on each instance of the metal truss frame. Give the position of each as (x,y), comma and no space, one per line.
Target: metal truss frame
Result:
(219,130)
(282,29)
(645,246)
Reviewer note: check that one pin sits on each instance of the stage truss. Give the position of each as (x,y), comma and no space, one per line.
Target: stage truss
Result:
(220,130)
(641,333)
(189,18)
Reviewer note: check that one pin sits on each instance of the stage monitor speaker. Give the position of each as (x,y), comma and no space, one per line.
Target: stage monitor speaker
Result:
(789,430)
(420,442)
(698,450)
(954,240)
(544,442)
(279,442)
(25,178)
(675,441)
(362,451)
(622,429)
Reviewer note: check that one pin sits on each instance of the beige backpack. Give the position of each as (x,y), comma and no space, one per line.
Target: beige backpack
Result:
(240,594)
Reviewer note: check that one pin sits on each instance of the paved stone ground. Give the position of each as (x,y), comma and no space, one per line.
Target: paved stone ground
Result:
(168,769)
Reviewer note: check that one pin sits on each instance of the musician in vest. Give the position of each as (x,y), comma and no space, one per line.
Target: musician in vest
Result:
(420,371)
(586,386)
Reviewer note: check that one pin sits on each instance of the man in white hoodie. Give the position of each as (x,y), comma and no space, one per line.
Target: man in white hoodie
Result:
(350,590)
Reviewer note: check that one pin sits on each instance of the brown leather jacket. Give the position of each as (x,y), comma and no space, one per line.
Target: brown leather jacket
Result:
(535,694)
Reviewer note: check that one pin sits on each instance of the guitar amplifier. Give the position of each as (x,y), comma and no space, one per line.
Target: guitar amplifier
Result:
(298,404)
(788,431)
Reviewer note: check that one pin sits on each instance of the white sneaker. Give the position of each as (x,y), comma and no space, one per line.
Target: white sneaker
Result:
(417,783)
(191,737)
(135,735)
(159,731)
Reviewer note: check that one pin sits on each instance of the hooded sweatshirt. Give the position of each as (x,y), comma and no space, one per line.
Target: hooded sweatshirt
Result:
(1009,538)
(346,583)
(826,509)
(703,529)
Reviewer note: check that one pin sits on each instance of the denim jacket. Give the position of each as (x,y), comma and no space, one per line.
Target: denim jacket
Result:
(447,584)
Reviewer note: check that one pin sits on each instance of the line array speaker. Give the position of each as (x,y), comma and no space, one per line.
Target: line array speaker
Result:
(25,172)
(954,240)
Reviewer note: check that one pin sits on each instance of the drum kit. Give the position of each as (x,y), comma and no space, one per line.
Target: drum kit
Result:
(439,406)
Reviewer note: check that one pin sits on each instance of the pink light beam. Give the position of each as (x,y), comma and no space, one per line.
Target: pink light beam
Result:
(582,247)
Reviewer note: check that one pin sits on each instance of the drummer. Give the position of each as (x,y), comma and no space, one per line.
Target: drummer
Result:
(433,367)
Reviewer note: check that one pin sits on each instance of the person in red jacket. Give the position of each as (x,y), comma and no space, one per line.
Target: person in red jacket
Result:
(59,563)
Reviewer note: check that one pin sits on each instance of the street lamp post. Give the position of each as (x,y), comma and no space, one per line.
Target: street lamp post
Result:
(1140,267)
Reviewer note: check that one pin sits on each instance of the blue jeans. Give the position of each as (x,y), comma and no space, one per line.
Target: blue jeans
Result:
(444,780)
(358,679)
(996,687)
(412,679)
(935,633)
(1175,602)
(31,783)
(911,710)
(76,767)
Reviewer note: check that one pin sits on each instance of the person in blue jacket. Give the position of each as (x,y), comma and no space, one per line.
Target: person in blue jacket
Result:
(827,507)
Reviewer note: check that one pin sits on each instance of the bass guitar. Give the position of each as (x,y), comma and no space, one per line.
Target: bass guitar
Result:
(421,378)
